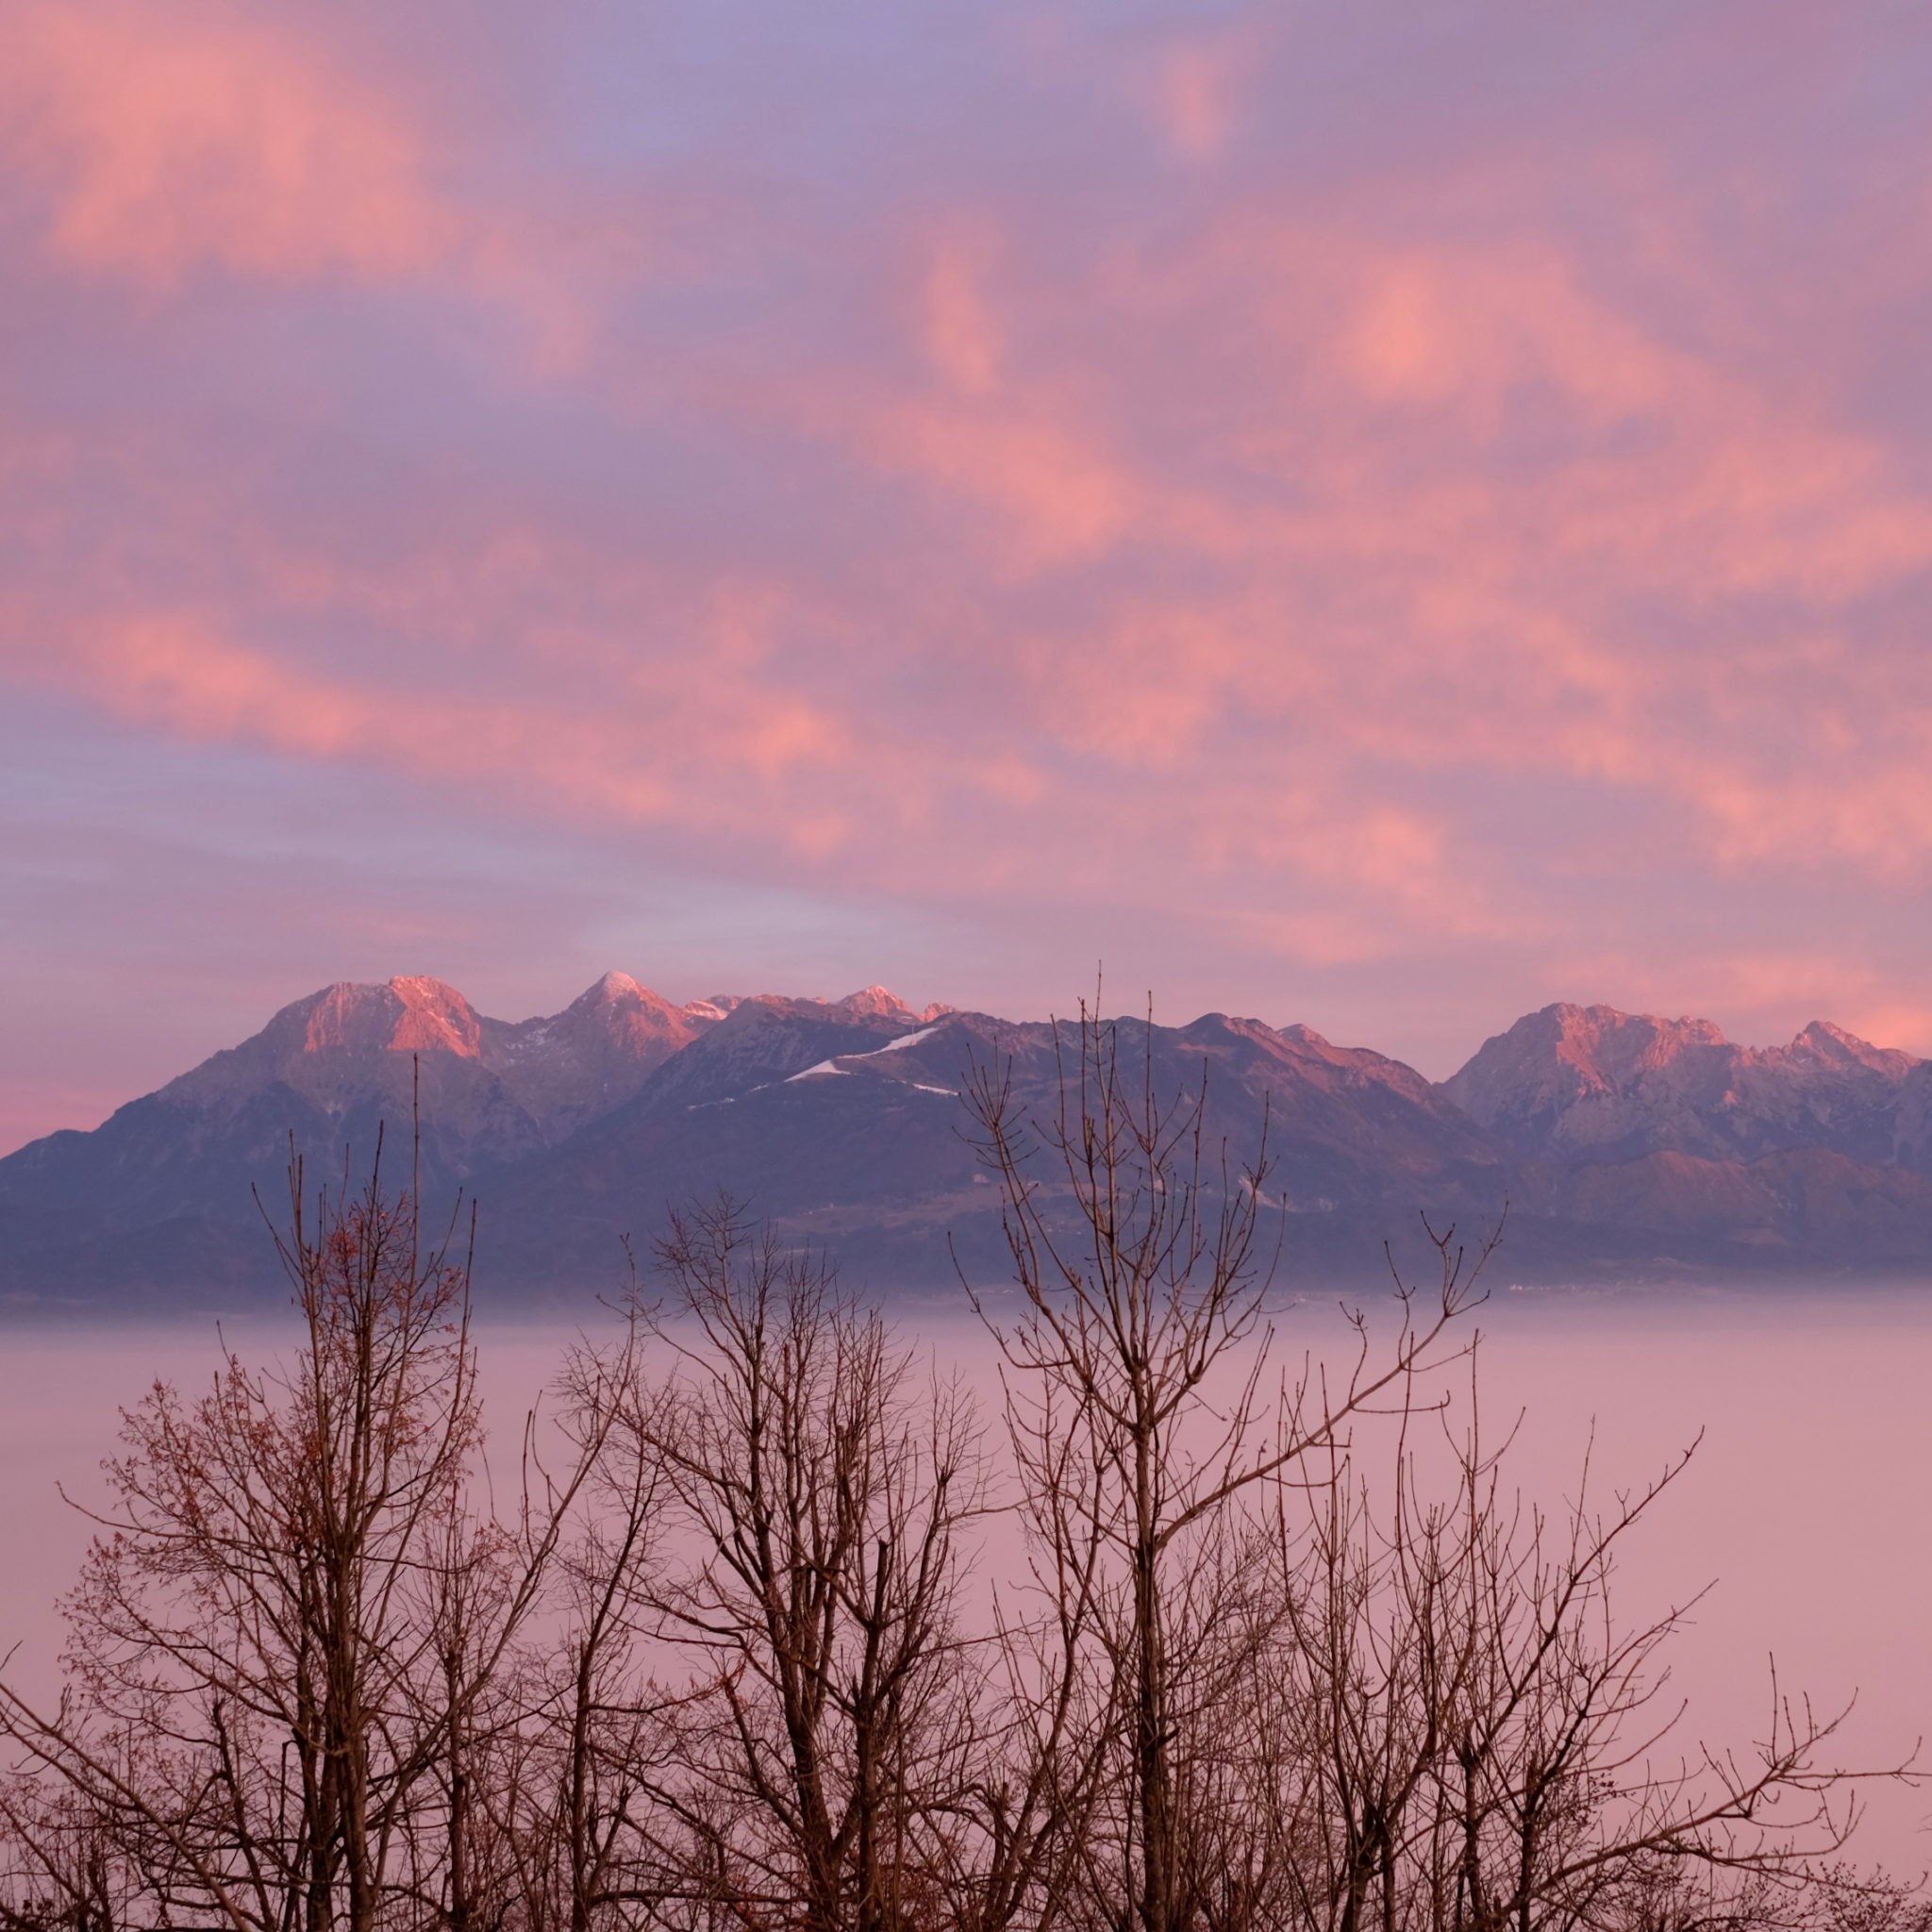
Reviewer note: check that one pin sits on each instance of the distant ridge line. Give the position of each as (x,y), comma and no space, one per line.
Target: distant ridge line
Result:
(1625,1145)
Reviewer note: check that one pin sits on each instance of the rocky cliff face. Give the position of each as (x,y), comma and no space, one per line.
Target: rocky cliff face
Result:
(593,1055)
(1591,1083)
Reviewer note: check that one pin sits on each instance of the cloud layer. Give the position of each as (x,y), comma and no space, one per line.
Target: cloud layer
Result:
(1366,519)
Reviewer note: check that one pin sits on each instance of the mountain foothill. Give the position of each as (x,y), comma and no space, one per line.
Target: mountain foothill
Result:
(1623,1147)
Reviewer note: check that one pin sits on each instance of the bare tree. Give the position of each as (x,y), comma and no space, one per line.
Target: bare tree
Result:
(815,1497)
(569,1787)
(1141,1426)
(1482,1744)
(284,1637)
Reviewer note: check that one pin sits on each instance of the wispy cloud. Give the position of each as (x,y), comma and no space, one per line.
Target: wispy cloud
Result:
(1367,508)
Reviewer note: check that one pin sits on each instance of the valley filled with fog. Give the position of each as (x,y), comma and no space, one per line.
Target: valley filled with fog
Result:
(1807,1507)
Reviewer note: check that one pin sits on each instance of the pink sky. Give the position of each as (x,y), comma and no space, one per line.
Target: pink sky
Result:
(1377,515)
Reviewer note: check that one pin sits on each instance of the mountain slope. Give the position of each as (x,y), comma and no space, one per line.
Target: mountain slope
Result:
(852,1131)
(327,1070)
(1625,1145)
(1593,1083)
(593,1055)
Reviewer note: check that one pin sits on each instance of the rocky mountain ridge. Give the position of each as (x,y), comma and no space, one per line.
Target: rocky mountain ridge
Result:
(1593,1083)
(1624,1144)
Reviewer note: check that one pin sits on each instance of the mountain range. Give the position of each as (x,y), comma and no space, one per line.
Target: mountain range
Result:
(1624,1146)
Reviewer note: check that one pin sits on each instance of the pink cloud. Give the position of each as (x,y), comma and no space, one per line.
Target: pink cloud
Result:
(1365,569)
(1395,577)
(1058,496)
(1170,523)
(963,335)
(209,136)
(640,757)
(264,145)
(1196,87)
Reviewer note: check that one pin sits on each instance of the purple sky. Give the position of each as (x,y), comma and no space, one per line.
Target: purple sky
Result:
(1377,515)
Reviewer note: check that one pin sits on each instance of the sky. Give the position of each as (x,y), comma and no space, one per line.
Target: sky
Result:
(1379,515)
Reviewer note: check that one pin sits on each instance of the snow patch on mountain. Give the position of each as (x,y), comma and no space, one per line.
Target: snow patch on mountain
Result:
(812,1072)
